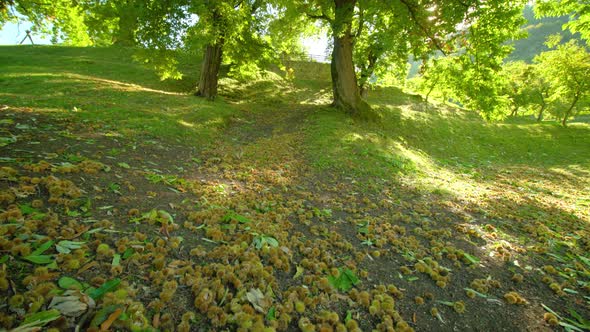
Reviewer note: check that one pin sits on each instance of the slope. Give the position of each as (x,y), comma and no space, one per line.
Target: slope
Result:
(268,209)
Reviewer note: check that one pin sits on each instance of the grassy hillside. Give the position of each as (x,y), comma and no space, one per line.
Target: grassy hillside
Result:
(269,210)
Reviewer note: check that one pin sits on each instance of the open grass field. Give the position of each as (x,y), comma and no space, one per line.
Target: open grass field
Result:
(126,203)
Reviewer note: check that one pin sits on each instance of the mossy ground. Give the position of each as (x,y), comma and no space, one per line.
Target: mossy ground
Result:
(262,208)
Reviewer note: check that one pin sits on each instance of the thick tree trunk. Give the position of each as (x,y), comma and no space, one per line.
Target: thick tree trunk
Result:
(210,71)
(344,84)
(126,34)
(127,25)
(569,110)
(540,115)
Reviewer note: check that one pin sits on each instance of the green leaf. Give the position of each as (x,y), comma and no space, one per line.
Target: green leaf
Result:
(124,165)
(571,291)
(116,260)
(26,209)
(108,286)
(271,315)
(163,214)
(236,217)
(583,323)
(447,303)
(363,228)
(65,246)
(299,272)
(103,314)
(262,240)
(4,259)
(128,252)
(585,260)
(551,311)
(41,318)
(570,327)
(271,241)
(7,160)
(42,248)
(476,292)
(4,141)
(345,280)
(39,259)
(69,283)
(471,259)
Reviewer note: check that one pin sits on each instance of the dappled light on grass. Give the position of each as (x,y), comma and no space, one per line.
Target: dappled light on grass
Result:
(172,212)
(99,83)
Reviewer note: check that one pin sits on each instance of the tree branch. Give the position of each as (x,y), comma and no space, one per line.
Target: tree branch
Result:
(361,21)
(423,28)
(323,16)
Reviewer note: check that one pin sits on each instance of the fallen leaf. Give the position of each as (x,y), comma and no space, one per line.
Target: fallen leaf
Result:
(112,318)
(258,300)
(70,304)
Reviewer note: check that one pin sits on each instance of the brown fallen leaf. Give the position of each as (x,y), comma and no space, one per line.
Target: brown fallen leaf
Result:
(77,235)
(156,320)
(87,267)
(112,318)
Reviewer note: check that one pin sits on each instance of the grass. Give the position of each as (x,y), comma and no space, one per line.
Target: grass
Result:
(104,85)
(268,208)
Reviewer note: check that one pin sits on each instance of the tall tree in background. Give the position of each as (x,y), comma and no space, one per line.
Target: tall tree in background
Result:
(236,31)
(567,67)
(516,77)
(112,22)
(407,26)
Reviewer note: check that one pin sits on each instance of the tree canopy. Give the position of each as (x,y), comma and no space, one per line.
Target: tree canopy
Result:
(462,44)
(578,11)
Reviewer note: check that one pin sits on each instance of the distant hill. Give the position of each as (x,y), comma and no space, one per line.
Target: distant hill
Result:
(538,30)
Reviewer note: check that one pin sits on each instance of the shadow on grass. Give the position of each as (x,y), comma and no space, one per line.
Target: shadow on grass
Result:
(110,63)
(104,85)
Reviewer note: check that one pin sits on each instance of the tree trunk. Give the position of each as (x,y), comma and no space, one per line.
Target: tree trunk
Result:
(514,111)
(210,71)
(125,34)
(569,110)
(543,106)
(344,84)
(540,115)
(366,74)
(364,91)
(431,89)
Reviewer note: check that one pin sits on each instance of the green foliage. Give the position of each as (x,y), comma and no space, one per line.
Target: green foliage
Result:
(578,11)
(108,286)
(63,20)
(69,283)
(262,240)
(567,68)
(538,30)
(345,280)
(242,28)
(40,318)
